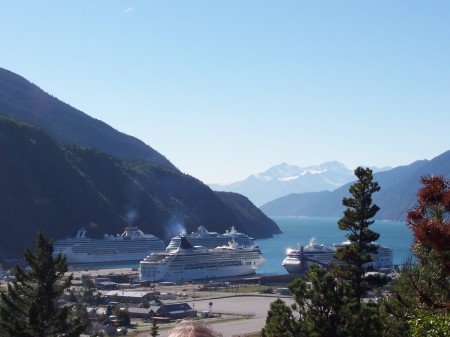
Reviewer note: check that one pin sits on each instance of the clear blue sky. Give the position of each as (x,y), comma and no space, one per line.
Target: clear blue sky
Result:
(225,89)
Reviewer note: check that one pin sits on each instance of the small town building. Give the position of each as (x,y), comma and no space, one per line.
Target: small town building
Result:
(142,313)
(130,296)
(176,311)
(107,285)
(95,312)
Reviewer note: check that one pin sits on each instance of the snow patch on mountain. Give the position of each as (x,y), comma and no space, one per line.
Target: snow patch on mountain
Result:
(284,179)
(288,178)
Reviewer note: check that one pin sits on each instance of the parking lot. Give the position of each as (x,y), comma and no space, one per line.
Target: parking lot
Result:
(239,314)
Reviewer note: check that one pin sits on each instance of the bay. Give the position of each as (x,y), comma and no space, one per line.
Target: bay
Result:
(299,230)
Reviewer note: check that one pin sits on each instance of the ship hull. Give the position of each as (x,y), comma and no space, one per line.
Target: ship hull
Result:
(292,267)
(182,275)
(198,263)
(293,264)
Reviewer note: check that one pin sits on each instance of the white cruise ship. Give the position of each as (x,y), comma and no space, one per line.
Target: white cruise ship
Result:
(383,259)
(187,262)
(298,260)
(132,245)
(212,239)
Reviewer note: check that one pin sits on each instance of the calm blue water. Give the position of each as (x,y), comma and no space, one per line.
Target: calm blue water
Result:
(395,235)
(300,230)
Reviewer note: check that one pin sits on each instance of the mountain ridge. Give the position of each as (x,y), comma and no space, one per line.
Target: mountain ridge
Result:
(397,194)
(61,169)
(284,179)
(61,188)
(24,101)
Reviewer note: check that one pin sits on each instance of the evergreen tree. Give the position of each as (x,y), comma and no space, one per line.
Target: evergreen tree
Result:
(79,311)
(420,303)
(430,224)
(145,303)
(29,308)
(71,297)
(123,316)
(356,221)
(280,321)
(315,312)
(355,317)
(154,329)
(328,304)
(109,311)
(318,303)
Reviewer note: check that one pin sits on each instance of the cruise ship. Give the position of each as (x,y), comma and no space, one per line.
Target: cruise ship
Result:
(383,259)
(132,245)
(298,260)
(212,239)
(187,262)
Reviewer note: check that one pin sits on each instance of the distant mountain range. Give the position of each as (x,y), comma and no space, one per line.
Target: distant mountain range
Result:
(61,170)
(284,179)
(398,193)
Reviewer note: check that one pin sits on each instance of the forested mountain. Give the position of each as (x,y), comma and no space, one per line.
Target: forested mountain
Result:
(61,188)
(398,193)
(81,172)
(244,210)
(24,101)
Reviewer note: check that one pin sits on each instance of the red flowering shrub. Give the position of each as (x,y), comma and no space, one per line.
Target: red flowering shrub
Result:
(429,220)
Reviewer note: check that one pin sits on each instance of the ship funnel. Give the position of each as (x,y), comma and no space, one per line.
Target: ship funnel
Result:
(184,243)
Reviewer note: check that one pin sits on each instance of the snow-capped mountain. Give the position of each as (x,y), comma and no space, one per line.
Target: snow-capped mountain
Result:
(284,179)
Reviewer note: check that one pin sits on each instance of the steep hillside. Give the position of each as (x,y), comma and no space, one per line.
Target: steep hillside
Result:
(398,193)
(294,204)
(249,216)
(62,188)
(24,101)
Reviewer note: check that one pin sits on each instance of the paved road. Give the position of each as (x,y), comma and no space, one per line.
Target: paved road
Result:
(240,314)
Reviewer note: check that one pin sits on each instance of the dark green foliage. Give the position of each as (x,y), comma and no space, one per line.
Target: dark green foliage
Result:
(145,303)
(318,303)
(360,319)
(88,297)
(29,308)
(247,215)
(421,295)
(357,318)
(280,321)
(71,298)
(315,312)
(88,283)
(328,303)
(322,309)
(65,188)
(109,311)
(356,221)
(154,329)
(415,294)
(435,325)
(79,312)
(24,101)
(123,317)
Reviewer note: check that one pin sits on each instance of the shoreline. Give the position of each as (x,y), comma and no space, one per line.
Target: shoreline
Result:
(132,272)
